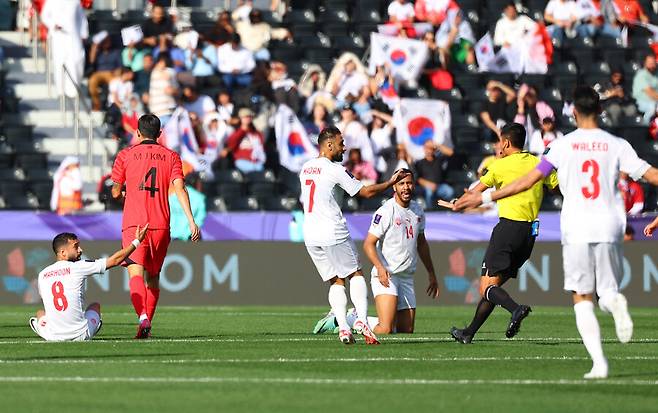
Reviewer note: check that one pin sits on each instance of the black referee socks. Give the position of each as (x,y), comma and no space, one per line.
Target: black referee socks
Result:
(500,297)
(482,312)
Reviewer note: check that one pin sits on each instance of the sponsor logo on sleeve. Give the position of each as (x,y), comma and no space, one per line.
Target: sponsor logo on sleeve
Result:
(377,218)
(546,150)
(350,174)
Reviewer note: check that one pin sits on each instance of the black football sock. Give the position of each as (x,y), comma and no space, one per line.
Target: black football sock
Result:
(500,297)
(482,312)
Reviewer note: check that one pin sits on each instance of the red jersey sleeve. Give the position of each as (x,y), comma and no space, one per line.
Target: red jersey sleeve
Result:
(119,169)
(176,167)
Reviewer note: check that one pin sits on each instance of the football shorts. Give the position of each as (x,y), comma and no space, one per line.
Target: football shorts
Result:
(509,247)
(151,252)
(340,260)
(593,267)
(401,287)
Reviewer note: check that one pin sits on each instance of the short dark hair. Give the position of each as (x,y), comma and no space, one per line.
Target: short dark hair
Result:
(330,132)
(406,170)
(61,240)
(586,101)
(515,133)
(149,126)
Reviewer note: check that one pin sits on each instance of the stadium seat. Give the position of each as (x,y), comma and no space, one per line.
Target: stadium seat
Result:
(35,160)
(20,201)
(259,177)
(241,204)
(231,175)
(15,132)
(42,191)
(262,189)
(551,202)
(279,203)
(460,177)
(8,188)
(354,44)
(350,204)
(229,189)
(285,52)
(39,175)
(290,183)
(371,204)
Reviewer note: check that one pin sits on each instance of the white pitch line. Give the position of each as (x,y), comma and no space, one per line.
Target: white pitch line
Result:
(312,360)
(328,337)
(311,380)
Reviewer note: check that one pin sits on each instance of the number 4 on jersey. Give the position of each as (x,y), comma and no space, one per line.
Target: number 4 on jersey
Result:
(152,173)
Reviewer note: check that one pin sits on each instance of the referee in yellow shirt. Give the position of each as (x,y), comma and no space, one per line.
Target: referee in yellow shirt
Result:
(513,238)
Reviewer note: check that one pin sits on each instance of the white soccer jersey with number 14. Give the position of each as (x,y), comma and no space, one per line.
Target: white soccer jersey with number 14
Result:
(397,229)
(588,162)
(62,289)
(324,184)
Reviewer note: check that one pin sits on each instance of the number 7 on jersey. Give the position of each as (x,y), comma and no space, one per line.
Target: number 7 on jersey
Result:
(311,183)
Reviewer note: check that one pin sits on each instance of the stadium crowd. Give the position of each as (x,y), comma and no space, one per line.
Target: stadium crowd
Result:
(227,75)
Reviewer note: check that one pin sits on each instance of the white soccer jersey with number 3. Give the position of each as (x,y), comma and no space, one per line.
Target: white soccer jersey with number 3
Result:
(324,184)
(588,162)
(62,289)
(397,229)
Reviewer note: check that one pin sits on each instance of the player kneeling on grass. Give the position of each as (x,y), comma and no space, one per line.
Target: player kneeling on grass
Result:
(395,240)
(62,289)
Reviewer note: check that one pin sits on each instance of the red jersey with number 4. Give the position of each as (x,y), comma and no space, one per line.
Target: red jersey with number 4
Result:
(147,170)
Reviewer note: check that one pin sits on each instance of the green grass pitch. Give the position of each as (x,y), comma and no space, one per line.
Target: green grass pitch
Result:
(264,359)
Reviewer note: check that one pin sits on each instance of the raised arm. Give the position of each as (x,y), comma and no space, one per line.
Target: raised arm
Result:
(473,199)
(371,190)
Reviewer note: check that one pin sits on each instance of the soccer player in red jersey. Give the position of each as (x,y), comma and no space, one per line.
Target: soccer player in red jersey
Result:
(147,169)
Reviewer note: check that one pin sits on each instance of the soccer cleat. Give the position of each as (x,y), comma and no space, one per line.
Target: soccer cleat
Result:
(326,324)
(33,325)
(623,321)
(144,329)
(346,337)
(460,336)
(366,332)
(98,330)
(515,322)
(599,371)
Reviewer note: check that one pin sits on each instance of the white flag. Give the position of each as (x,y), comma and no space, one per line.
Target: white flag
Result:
(292,142)
(406,57)
(484,52)
(179,136)
(419,120)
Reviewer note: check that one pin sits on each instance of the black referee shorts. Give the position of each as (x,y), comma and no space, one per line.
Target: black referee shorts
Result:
(510,246)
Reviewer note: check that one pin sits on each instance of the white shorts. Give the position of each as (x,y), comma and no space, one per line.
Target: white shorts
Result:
(401,287)
(93,323)
(590,268)
(340,260)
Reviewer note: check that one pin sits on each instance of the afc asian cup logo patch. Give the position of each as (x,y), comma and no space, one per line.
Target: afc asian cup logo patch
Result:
(377,219)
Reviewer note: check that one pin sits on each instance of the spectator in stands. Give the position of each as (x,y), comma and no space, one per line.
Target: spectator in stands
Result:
(318,121)
(185,35)
(247,144)
(176,54)
(157,28)
(348,78)
(632,193)
(455,39)
(511,26)
(133,56)
(401,13)
(179,227)
(530,111)
(256,34)
(593,20)
(225,106)
(562,15)
(130,115)
(355,133)
(629,12)
(235,63)
(433,11)
(201,60)
(645,88)
(142,79)
(383,87)
(222,31)
(284,89)
(216,132)
(104,60)
(380,138)
(362,170)
(120,88)
(193,102)
(242,11)
(66,197)
(429,171)
(614,99)
(495,112)
(541,138)
(163,89)
(402,159)
(312,81)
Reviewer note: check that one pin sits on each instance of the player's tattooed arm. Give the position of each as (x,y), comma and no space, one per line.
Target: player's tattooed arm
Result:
(369,247)
(117,192)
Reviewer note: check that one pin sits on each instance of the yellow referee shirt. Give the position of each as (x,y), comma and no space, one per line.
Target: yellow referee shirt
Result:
(523,206)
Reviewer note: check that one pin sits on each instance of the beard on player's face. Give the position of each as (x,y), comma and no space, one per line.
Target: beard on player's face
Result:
(404,191)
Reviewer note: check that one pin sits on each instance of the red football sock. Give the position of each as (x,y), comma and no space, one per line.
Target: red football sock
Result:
(152,296)
(138,294)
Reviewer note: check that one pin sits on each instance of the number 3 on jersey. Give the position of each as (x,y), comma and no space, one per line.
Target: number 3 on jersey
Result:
(311,194)
(590,166)
(152,174)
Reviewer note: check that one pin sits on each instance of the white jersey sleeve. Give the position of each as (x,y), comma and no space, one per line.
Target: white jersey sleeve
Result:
(381,221)
(630,163)
(347,181)
(89,267)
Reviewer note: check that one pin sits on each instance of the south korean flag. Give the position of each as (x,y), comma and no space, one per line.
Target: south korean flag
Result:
(405,57)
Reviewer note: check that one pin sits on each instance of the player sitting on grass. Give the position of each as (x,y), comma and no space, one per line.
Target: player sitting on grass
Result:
(62,289)
(513,238)
(395,241)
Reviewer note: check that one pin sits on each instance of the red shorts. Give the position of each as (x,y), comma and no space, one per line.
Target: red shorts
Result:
(151,252)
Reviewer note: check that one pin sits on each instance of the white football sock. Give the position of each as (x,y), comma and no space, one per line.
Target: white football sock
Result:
(338,303)
(373,321)
(588,327)
(359,296)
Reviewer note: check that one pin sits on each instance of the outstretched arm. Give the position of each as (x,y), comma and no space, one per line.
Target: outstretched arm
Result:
(184,199)
(120,256)
(473,199)
(375,189)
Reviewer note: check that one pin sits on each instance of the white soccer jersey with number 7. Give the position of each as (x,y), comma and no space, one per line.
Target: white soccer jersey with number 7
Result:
(588,162)
(324,184)
(62,289)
